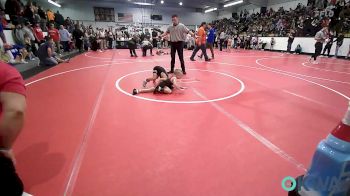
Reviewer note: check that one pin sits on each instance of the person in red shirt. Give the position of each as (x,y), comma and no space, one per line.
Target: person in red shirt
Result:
(12,109)
(38,33)
(201,42)
(55,35)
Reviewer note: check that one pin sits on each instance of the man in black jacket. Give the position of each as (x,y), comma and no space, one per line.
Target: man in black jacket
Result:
(78,37)
(59,20)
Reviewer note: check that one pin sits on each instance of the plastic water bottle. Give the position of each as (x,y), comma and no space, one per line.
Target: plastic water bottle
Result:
(329,173)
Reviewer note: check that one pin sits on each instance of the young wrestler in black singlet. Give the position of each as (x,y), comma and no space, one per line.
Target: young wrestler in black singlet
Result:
(165,85)
(158,72)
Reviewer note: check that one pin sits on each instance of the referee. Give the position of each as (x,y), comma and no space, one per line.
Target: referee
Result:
(320,38)
(178,32)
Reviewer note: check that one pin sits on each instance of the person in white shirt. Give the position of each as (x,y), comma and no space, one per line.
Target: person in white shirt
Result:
(222,39)
(64,38)
(102,36)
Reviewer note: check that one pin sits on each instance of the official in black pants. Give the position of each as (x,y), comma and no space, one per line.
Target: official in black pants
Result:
(179,48)
(320,37)
(318,50)
(329,45)
(177,32)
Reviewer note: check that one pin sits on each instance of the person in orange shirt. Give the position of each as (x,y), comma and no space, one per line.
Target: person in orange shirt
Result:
(201,42)
(50,16)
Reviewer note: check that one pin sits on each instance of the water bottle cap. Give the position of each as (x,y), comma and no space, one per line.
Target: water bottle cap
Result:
(346,119)
(342,131)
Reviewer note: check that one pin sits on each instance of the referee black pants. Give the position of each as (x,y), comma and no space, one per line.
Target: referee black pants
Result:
(10,183)
(318,50)
(179,48)
(327,48)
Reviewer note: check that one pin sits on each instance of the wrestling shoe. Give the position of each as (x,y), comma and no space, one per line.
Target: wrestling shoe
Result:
(135,91)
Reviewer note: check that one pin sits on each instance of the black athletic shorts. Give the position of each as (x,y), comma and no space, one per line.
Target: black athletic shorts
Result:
(159,70)
(161,85)
(10,183)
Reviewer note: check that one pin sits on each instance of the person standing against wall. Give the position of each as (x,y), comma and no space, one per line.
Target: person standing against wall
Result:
(201,42)
(78,36)
(222,39)
(290,40)
(339,40)
(12,110)
(177,33)
(320,38)
(65,38)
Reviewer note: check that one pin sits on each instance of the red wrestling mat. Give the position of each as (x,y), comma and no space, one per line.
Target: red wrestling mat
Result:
(247,120)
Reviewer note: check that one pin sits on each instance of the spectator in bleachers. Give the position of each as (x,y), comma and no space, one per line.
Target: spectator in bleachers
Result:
(59,20)
(19,33)
(46,54)
(29,12)
(2,35)
(29,47)
(69,25)
(36,14)
(38,34)
(31,42)
(16,53)
(55,35)
(50,16)
(14,9)
(43,19)
(28,31)
(64,38)
(78,37)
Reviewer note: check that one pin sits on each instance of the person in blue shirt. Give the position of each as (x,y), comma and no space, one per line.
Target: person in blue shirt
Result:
(210,40)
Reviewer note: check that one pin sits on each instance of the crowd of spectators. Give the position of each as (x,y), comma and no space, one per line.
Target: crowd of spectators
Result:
(305,21)
(29,22)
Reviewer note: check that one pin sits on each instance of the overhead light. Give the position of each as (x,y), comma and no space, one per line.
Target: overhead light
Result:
(162,2)
(54,3)
(210,10)
(180,3)
(142,3)
(233,3)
